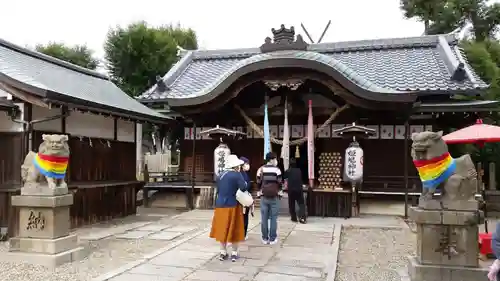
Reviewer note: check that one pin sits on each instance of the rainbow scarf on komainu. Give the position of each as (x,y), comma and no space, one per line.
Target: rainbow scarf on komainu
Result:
(435,171)
(51,166)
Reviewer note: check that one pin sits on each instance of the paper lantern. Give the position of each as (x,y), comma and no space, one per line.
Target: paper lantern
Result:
(353,165)
(221,153)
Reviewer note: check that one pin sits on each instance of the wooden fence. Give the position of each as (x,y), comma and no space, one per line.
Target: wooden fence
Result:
(101,175)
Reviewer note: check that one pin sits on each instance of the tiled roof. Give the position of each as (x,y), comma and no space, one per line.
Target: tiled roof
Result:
(6,104)
(47,74)
(420,65)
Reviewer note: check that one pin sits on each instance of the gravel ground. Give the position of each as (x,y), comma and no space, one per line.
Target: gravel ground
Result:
(384,252)
(104,255)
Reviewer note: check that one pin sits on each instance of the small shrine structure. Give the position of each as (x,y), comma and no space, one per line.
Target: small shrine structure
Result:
(394,86)
(43,95)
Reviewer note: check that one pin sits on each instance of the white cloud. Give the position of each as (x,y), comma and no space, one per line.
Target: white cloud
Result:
(218,23)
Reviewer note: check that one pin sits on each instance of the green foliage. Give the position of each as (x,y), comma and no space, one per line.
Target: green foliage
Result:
(136,54)
(484,58)
(444,16)
(78,54)
(424,10)
(483,53)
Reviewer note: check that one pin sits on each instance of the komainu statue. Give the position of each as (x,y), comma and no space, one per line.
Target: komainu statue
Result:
(48,166)
(447,183)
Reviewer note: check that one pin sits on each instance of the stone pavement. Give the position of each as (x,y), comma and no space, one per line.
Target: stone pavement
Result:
(305,252)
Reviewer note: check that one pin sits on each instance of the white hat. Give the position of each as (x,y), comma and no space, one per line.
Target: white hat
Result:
(233,161)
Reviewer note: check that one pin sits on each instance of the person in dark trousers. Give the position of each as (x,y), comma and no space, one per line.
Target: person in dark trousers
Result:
(247,210)
(294,183)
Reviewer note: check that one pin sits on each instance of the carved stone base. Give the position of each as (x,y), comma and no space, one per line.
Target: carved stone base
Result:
(447,245)
(445,217)
(48,260)
(446,204)
(36,189)
(447,238)
(420,272)
(43,246)
(44,228)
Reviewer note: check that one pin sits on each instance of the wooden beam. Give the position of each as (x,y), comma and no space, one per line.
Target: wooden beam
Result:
(24,96)
(115,129)
(28,128)
(190,196)
(64,111)
(406,151)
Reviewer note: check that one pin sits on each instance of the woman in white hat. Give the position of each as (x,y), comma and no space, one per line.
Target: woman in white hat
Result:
(227,222)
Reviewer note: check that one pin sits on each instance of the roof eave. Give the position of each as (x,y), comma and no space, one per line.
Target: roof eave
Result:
(175,71)
(458,106)
(88,105)
(471,92)
(23,86)
(57,97)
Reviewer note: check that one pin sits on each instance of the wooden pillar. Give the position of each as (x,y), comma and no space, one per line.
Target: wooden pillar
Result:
(138,149)
(115,129)
(480,172)
(193,171)
(145,189)
(406,150)
(492,180)
(64,111)
(28,130)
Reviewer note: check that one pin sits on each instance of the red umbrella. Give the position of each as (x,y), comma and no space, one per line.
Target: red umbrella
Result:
(478,133)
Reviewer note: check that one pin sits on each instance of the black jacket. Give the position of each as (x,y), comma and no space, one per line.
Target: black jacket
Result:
(294,179)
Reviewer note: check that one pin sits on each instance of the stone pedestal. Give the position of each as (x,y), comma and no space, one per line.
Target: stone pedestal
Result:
(447,245)
(44,229)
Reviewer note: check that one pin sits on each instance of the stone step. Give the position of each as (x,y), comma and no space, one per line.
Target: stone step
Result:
(48,260)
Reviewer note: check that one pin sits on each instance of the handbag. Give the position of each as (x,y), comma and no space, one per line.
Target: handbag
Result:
(244,198)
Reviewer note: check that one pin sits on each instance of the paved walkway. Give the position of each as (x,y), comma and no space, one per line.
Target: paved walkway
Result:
(305,252)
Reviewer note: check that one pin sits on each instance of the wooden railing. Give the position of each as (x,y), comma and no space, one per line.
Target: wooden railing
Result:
(390,185)
(175,180)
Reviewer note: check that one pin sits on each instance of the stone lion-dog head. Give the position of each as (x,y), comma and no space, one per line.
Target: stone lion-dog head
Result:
(427,145)
(54,145)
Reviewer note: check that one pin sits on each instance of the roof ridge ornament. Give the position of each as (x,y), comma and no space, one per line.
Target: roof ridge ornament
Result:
(283,39)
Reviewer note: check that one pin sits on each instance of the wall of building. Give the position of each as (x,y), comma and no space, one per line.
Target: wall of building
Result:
(38,113)
(125,131)
(90,125)
(84,124)
(6,123)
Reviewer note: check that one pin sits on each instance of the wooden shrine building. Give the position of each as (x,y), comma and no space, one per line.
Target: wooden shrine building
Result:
(395,86)
(40,94)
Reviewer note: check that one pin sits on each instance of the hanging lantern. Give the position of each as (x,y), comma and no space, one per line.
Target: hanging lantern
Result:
(221,153)
(353,166)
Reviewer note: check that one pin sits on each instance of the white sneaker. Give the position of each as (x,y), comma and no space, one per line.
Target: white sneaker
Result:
(246,238)
(265,242)
(274,242)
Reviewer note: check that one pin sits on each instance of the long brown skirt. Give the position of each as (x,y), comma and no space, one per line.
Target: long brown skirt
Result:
(228,225)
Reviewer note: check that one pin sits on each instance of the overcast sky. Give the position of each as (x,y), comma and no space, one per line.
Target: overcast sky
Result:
(218,23)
